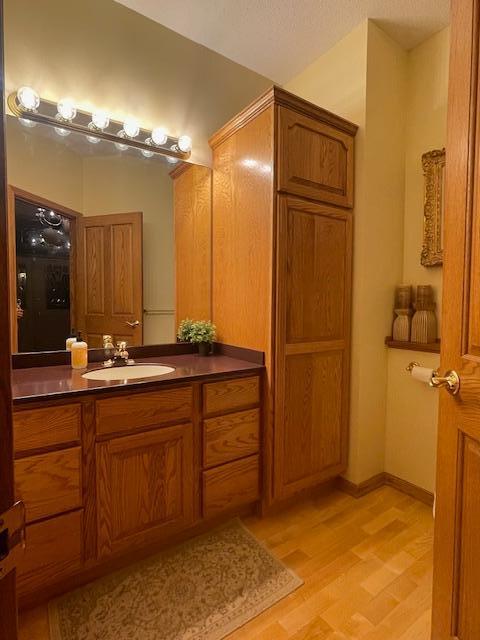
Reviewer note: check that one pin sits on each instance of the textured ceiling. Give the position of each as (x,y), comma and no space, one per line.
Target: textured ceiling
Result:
(279,38)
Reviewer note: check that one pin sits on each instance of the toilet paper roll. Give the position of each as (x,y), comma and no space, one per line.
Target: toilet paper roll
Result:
(422,373)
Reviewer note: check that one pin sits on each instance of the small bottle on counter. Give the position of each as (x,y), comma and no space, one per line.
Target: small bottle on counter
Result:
(69,341)
(79,351)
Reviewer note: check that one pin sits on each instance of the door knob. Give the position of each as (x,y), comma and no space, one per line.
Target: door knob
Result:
(451,381)
(133,324)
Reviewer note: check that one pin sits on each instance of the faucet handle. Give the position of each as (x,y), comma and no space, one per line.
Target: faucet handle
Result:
(122,345)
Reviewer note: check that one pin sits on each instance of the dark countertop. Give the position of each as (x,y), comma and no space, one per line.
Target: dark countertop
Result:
(57,382)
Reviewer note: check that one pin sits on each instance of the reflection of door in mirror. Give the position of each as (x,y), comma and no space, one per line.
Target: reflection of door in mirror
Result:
(110,278)
(42,247)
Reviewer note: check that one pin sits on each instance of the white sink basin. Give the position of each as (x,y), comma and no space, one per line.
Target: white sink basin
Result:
(130,372)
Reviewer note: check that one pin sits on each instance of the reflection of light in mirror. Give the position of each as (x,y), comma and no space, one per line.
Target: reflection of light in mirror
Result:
(67,109)
(100,119)
(93,139)
(159,135)
(172,160)
(131,127)
(62,132)
(120,146)
(28,98)
(25,122)
(146,153)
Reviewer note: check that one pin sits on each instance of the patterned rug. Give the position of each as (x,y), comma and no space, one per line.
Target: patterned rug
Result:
(203,589)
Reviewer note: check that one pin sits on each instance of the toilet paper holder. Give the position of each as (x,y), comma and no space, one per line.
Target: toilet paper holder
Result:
(451,379)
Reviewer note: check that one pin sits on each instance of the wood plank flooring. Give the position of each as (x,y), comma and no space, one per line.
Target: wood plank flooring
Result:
(366,563)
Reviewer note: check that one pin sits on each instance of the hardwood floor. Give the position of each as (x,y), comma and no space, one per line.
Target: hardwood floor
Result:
(366,563)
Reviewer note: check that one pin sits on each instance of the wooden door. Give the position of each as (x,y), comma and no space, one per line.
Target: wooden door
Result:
(110,291)
(145,487)
(8,605)
(456,590)
(314,244)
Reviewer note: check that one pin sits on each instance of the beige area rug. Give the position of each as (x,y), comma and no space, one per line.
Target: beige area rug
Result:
(203,589)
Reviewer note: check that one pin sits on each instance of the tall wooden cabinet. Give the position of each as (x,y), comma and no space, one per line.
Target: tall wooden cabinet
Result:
(282,199)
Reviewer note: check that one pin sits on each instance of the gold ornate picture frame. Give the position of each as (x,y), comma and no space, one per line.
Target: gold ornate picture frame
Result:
(433,164)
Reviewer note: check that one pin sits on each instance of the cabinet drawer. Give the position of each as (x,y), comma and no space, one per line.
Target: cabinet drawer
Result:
(316,159)
(49,426)
(133,412)
(229,437)
(53,552)
(231,485)
(49,483)
(230,395)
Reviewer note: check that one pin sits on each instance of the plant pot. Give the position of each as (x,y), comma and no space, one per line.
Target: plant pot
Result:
(204,348)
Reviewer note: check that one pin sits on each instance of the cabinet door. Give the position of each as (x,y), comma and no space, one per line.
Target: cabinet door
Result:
(313,344)
(145,487)
(315,160)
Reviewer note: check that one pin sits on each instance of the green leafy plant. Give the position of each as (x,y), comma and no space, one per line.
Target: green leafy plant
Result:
(197,331)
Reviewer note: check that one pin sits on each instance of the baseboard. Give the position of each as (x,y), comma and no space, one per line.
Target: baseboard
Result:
(381,479)
(409,488)
(359,490)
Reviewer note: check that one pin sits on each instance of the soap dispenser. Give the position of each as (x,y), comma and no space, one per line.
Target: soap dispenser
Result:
(79,353)
(70,340)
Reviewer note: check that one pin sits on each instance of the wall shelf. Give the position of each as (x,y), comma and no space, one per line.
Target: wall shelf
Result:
(433,347)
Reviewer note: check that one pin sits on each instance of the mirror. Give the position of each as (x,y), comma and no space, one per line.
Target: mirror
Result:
(92,239)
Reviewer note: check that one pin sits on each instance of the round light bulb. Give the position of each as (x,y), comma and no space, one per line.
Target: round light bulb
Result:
(159,135)
(185,143)
(28,98)
(62,132)
(131,127)
(66,109)
(100,119)
(93,139)
(146,153)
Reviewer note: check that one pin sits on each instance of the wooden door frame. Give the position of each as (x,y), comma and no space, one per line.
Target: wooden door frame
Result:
(14,192)
(8,602)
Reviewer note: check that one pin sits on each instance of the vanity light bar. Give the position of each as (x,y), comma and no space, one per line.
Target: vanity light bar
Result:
(65,116)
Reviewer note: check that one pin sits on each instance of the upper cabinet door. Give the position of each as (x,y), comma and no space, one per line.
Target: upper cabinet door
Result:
(315,160)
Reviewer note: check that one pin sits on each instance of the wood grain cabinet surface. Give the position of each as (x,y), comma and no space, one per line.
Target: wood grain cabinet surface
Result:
(315,159)
(282,214)
(49,483)
(145,487)
(231,485)
(231,436)
(54,552)
(46,427)
(230,395)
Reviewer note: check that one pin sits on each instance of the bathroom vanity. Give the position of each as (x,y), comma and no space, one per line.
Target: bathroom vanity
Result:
(110,470)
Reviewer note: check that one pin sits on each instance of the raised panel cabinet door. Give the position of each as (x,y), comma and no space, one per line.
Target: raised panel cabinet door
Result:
(315,159)
(314,244)
(145,487)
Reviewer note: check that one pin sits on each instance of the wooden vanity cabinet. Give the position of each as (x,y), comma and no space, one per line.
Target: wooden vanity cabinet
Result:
(281,263)
(145,487)
(112,474)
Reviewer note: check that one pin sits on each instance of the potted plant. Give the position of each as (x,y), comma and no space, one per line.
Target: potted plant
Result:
(201,332)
